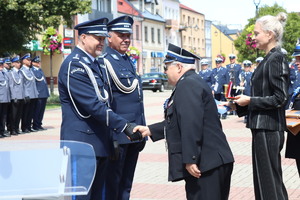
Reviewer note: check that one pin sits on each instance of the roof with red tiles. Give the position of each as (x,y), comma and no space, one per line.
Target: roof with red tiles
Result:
(127,8)
(188,8)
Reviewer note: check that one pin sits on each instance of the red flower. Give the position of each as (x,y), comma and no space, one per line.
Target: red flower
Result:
(250,42)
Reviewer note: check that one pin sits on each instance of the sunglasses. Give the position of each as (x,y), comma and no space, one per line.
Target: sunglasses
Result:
(168,65)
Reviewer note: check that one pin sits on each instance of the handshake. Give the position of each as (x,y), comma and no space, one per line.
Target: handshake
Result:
(133,132)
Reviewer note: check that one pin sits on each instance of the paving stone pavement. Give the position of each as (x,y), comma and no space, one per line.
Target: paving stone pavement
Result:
(150,182)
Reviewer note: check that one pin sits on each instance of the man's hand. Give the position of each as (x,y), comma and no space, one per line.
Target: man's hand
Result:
(131,134)
(193,170)
(144,130)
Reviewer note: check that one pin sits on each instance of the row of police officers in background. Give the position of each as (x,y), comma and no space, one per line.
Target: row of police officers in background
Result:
(23,95)
(232,75)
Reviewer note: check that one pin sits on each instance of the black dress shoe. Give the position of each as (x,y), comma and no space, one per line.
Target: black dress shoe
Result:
(25,131)
(1,136)
(14,133)
(42,128)
(6,135)
(33,130)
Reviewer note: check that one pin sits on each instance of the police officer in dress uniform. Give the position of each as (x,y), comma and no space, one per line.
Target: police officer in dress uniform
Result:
(127,101)
(234,71)
(198,152)
(16,86)
(6,69)
(221,77)
(205,73)
(4,99)
(43,91)
(31,94)
(293,141)
(245,78)
(83,86)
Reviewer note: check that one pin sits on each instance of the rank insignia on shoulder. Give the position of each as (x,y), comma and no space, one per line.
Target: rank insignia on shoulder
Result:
(86,60)
(114,56)
(76,57)
(103,55)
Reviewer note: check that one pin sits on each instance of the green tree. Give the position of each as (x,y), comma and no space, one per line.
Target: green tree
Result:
(22,20)
(291,33)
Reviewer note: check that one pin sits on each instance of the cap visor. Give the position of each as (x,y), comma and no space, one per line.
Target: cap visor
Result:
(102,34)
(296,54)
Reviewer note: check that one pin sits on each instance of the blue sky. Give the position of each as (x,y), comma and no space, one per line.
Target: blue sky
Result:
(235,12)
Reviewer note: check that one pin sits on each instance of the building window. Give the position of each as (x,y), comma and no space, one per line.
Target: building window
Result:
(146,34)
(152,35)
(104,5)
(137,32)
(158,36)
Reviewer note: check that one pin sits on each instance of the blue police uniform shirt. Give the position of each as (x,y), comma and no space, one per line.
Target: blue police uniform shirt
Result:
(129,105)
(16,84)
(234,71)
(207,76)
(40,81)
(246,77)
(29,83)
(221,77)
(297,80)
(4,88)
(91,120)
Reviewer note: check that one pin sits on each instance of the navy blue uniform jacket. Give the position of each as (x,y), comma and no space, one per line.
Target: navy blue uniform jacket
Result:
(94,129)
(193,129)
(129,105)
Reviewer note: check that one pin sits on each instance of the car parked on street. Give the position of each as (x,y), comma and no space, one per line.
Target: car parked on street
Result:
(155,81)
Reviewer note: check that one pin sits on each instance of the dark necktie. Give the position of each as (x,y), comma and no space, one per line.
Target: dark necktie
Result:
(98,66)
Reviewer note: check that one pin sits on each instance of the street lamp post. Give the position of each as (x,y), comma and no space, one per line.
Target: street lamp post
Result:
(256,3)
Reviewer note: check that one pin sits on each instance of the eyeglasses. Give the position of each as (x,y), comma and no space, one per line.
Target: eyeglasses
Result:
(231,58)
(166,67)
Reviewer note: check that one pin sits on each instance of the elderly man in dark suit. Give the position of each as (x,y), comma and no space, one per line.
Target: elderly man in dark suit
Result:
(197,147)
(86,116)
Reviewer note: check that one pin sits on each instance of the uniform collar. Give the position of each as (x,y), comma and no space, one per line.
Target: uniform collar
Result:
(89,55)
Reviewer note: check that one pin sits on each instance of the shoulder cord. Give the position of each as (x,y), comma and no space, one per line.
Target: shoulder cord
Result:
(93,80)
(30,79)
(38,79)
(13,76)
(3,84)
(118,83)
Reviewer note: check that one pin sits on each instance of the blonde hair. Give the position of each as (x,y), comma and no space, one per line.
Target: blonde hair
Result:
(275,24)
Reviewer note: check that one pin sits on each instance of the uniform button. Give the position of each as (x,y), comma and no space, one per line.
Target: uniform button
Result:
(88,131)
(194,157)
(115,129)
